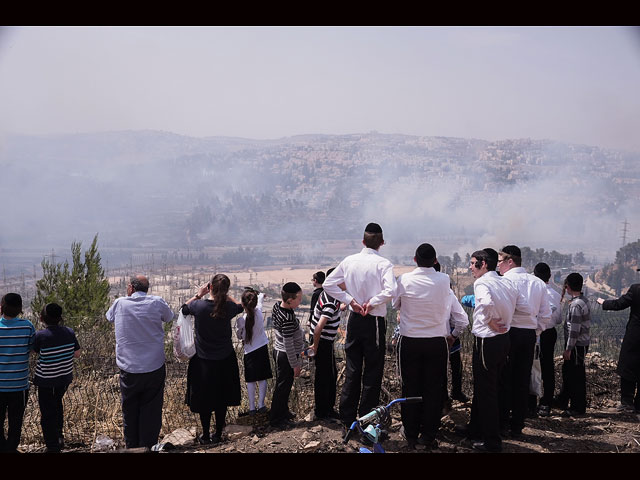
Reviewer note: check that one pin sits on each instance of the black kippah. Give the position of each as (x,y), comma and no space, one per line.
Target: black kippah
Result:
(426,252)
(373,228)
(512,250)
(291,287)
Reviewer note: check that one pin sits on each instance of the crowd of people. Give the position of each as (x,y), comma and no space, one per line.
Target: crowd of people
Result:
(515,315)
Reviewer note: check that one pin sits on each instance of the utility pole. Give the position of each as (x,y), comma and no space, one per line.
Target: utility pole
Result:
(624,232)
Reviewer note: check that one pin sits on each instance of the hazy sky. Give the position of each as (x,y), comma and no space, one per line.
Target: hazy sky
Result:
(572,84)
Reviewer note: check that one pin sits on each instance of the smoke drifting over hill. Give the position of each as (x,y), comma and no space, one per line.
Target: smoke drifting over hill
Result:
(164,191)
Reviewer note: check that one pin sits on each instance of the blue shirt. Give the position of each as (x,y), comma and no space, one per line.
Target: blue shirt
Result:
(138,321)
(56,346)
(16,341)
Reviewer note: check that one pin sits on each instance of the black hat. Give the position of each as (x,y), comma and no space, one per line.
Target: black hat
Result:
(373,228)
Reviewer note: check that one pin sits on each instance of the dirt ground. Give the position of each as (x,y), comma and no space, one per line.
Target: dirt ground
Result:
(601,430)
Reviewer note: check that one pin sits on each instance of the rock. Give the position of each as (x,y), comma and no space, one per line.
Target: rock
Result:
(255,439)
(180,437)
(306,436)
(103,443)
(238,431)
(317,429)
(310,417)
(312,446)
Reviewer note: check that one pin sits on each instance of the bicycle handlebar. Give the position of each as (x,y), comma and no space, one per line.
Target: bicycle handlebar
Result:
(376,414)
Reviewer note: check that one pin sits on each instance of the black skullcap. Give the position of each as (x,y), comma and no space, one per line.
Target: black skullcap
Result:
(426,252)
(291,287)
(53,310)
(373,228)
(512,250)
(542,271)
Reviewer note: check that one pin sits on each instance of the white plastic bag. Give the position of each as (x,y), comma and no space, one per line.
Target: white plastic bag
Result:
(184,344)
(535,385)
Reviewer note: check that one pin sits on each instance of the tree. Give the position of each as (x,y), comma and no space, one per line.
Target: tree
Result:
(81,289)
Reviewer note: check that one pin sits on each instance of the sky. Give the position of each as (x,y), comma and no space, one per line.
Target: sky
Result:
(570,84)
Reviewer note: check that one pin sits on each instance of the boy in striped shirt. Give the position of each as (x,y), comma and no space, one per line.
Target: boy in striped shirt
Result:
(573,396)
(324,327)
(16,341)
(57,346)
(287,349)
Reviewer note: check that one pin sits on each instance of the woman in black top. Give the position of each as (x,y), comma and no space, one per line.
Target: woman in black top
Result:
(213,378)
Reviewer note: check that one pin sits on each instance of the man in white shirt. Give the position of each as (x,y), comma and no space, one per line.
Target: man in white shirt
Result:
(366,283)
(525,326)
(496,300)
(424,302)
(548,340)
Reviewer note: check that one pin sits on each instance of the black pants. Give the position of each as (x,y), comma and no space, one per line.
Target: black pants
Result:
(324,386)
(12,405)
(365,347)
(489,359)
(573,394)
(284,381)
(51,415)
(630,393)
(514,394)
(423,369)
(547,348)
(142,396)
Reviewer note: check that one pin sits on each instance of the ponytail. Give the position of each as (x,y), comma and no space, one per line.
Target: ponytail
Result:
(249,302)
(220,284)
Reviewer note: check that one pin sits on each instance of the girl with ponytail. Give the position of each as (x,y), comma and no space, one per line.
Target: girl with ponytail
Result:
(257,366)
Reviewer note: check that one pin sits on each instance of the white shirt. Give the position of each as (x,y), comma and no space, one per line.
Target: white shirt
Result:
(556,310)
(535,292)
(496,298)
(368,277)
(258,336)
(423,298)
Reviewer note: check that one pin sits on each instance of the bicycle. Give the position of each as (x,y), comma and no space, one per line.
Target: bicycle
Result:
(375,421)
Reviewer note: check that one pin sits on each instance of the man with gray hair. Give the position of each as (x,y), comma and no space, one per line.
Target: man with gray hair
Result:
(139,330)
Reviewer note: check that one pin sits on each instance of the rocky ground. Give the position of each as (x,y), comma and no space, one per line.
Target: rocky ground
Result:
(601,430)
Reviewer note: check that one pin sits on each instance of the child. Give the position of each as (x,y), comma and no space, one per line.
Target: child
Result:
(288,346)
(16,341)
(324,324)
(573,396)
(257,367)
(57,346)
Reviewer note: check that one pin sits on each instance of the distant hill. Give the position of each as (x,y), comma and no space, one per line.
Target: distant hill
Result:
(167,190)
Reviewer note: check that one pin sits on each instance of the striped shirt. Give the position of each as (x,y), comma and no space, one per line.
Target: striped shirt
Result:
(288,336)
(329,307)
(16,341)
(578,323)
(56,346)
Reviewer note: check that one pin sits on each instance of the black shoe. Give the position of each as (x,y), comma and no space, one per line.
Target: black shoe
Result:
(481,447)
(217,438)
(204,440)
(466,432)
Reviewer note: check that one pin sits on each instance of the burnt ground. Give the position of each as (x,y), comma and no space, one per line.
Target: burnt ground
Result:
(601,430)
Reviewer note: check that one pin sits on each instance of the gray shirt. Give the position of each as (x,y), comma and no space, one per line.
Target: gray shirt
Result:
(138,321)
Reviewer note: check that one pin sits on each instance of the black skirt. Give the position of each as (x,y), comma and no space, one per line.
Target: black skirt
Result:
(212,384)
(257,365)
